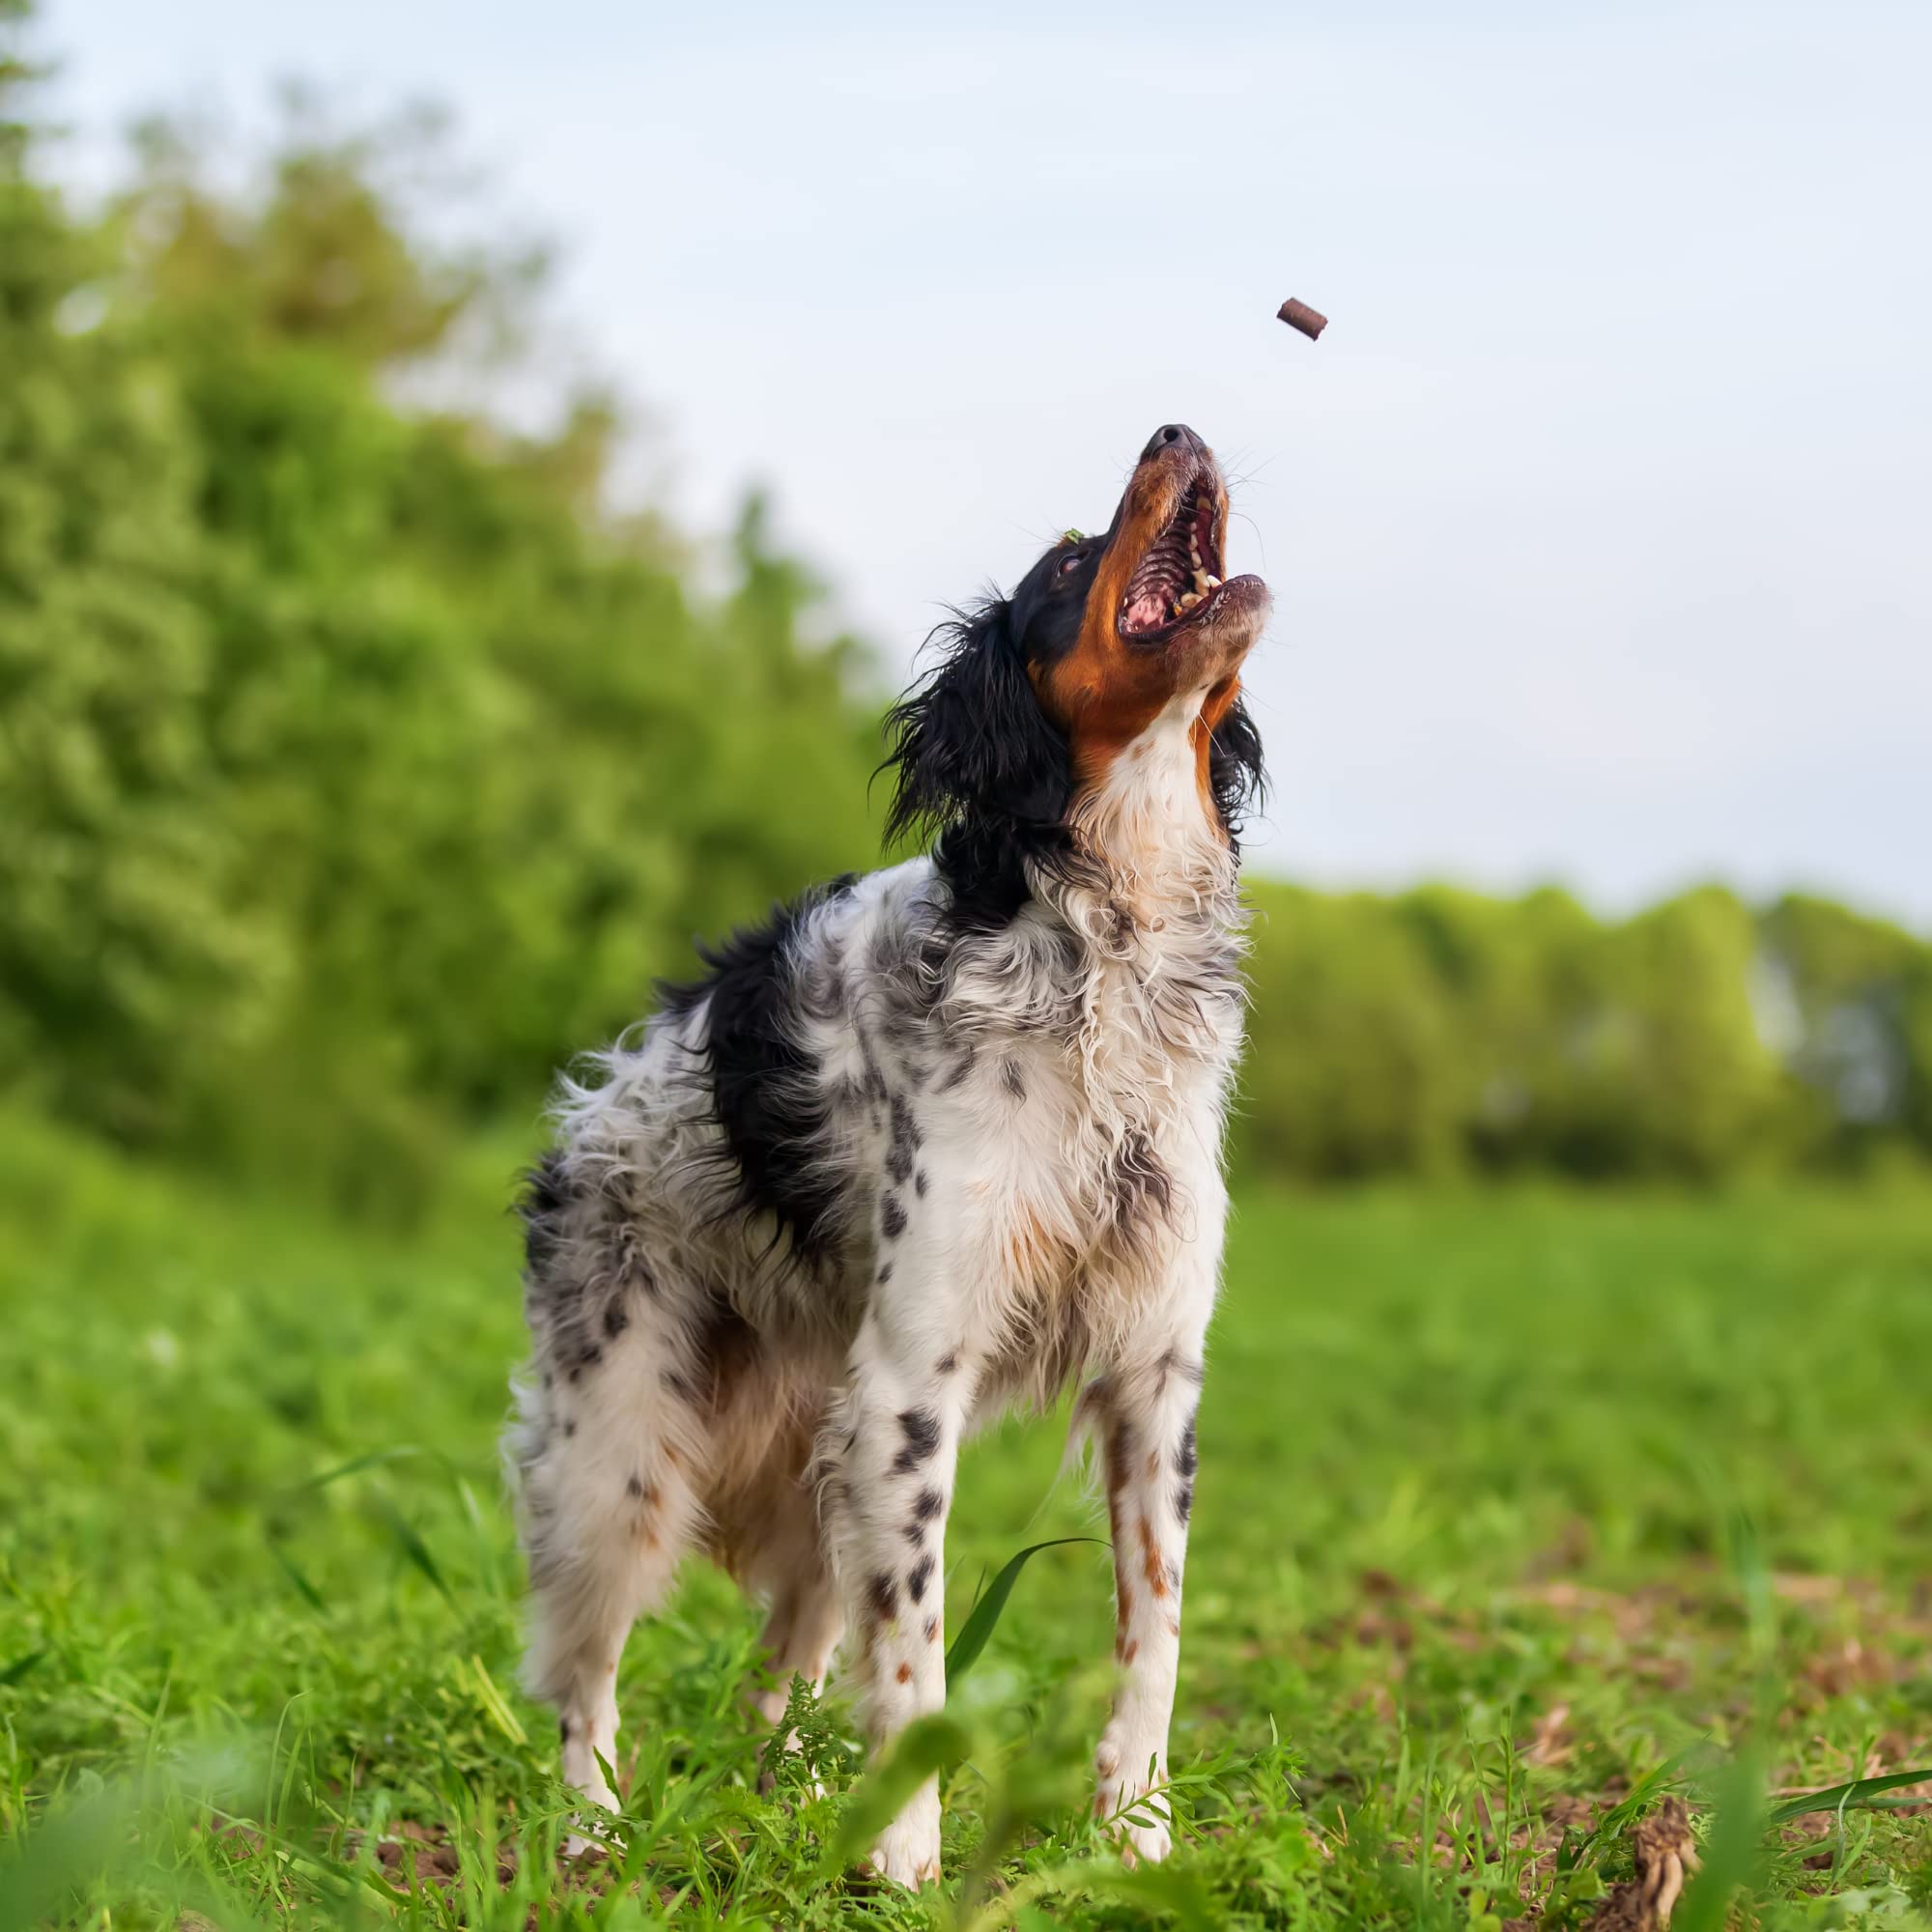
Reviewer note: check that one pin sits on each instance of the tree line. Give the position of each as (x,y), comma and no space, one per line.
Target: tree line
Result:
(359,759)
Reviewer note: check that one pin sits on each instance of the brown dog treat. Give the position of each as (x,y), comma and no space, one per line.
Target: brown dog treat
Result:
(1298,315)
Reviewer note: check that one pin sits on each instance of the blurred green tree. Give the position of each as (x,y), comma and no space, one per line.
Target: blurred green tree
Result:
(357,763)
(332,245)
(127,945)
(1676,1074)
(360,759)
(1354,1068)
(1854,997)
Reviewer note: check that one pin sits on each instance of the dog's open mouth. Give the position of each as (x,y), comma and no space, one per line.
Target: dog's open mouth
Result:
(1179,577)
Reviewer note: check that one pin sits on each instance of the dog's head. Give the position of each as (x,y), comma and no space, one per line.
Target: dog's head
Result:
(1040,691)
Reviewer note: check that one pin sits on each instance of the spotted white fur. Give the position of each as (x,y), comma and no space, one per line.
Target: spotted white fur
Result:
(1022,1128)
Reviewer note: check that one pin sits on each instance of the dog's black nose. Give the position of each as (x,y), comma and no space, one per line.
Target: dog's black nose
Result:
(1172,432)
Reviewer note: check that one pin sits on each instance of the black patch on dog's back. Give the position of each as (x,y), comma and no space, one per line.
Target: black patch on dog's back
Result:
(764,1086)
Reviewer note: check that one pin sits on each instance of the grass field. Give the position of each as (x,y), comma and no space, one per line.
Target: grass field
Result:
(1514,1511)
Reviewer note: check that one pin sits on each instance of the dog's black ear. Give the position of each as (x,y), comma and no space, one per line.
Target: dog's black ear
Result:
(970,746)
(1235,772)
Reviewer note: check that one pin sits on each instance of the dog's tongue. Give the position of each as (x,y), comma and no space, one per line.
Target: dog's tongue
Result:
(1147,611)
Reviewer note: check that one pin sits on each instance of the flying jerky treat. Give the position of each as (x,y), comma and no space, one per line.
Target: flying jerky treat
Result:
(1298,315)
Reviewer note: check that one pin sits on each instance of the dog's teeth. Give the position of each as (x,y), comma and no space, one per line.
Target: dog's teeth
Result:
(1189,602)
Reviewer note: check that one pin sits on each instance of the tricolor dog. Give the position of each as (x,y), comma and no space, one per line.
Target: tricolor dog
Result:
(927,1144)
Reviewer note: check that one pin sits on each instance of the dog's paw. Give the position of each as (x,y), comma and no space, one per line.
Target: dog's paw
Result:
(908,1849)
(1139,1823)
(1143,1832)
(592,1834)
(1150,1843)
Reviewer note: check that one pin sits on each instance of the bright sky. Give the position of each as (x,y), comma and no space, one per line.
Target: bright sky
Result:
(1600,520)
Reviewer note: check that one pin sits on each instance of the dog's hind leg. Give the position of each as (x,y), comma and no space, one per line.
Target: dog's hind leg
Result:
(609,1511)
(765,1531)
(609,1449)
(806,1617)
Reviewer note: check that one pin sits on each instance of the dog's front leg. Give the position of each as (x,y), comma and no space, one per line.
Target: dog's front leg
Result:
(896,1443)
(1144,1410)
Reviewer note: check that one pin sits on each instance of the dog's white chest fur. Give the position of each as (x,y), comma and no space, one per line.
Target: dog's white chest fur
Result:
(1066,1089)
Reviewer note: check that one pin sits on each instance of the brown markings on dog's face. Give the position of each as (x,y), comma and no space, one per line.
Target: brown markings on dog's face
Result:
(1153,624)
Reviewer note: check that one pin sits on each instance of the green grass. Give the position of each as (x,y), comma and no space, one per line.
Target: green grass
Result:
(1512,1509)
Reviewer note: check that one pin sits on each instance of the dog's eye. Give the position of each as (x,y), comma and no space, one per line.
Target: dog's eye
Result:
(1069,564)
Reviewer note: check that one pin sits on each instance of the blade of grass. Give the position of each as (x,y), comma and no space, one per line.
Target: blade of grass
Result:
(372,1459)
(979,1627)
(86,1840)
(1732,1851)
(1851,1796)
(486,1551)
(306,1590)
(494,1702)
(1157,1889)
(1162,1888)
(21,1665)
(1610,1826)
(413,1545)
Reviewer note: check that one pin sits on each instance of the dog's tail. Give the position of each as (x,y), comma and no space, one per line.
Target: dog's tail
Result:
(1083,1428)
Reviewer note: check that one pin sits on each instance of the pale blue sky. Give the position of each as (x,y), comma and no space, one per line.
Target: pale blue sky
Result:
(1600,522)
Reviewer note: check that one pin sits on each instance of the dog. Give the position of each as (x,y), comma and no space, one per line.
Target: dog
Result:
(930,1142)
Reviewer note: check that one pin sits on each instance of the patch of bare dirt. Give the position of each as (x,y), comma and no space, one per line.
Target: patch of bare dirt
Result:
(425,1854)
